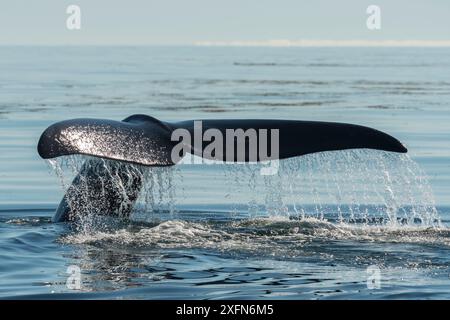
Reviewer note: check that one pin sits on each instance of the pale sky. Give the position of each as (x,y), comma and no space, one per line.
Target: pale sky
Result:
(184,22)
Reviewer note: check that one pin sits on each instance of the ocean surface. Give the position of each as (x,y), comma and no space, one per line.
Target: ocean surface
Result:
(359,224)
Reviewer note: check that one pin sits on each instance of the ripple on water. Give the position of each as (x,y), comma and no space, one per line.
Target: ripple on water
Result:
(277,236)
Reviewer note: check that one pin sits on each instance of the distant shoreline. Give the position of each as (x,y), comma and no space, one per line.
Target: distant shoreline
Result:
(261,43)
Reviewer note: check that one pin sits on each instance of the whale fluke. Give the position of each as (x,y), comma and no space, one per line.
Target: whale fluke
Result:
(144,140)
(147,141)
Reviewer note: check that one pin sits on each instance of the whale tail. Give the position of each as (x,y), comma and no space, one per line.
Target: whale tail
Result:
(146,141)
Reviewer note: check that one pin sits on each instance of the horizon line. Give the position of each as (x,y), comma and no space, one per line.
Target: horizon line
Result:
(262,43)
(326,43)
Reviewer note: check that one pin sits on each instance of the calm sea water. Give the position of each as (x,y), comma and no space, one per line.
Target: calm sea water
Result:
(223,232)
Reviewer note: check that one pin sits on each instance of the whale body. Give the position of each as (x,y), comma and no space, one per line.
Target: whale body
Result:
(146,141)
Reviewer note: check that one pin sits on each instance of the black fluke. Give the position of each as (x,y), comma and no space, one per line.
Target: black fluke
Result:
(147,141)
(144,140)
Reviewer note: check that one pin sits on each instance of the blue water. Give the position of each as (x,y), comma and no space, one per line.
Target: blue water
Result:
(225,232)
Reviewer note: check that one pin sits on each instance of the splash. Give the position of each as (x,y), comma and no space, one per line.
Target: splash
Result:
(362,187)
(352,186)
(96,187)
(274,237)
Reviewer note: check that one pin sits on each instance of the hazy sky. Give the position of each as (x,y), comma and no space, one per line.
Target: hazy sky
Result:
(191,21)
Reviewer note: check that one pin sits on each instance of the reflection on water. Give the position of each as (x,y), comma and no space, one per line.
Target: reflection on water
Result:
(271,257)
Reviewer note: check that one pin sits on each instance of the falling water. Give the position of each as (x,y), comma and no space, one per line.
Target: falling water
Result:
(352,186)
(93,185)
(363,187)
